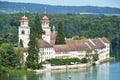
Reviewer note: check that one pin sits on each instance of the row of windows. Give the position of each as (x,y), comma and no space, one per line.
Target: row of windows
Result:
(48,57)
(47,53)
(47,49)
(107,50)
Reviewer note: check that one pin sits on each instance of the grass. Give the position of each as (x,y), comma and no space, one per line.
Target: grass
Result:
(106,60)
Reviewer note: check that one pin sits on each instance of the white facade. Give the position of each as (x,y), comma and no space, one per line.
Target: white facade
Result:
(46,34)
(71,54)
(46,53)
(24,31)
(105,52)
(74,48)
(46,29)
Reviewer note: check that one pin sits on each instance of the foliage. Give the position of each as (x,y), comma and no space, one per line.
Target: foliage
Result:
(61,61)
(36,28)
(1,40)
(60,35)
(0,64)
(32,59)
(10,58)
(95,57)
(20,55)
(84,60)
(76,37)
(12,7)
(32,52)
(86,26)
(21,43)
(88,55)
(8,55)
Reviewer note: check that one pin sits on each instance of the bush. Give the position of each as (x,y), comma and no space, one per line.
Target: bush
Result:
(33,65)
(84,60)
(95,57)
(61,61)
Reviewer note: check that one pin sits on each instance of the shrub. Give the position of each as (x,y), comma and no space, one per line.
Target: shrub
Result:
(84,60)
(61,61)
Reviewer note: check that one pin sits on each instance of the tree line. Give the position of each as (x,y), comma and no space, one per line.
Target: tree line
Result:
(84,26)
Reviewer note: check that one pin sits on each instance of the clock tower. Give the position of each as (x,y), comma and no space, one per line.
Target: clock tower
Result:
(24,31)
(46,29)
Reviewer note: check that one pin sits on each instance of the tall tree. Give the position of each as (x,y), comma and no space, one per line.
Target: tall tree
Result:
(20,55)
(60,35)
(37,29)
(36,33)
(32,52)
(9,57)
(95,56)
(88,55)
(21,43)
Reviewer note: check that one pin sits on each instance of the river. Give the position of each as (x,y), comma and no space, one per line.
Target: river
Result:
(105,71)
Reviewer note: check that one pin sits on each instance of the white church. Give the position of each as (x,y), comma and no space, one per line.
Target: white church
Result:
(72,48)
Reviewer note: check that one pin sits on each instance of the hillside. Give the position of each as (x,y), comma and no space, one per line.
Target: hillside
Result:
(12,7)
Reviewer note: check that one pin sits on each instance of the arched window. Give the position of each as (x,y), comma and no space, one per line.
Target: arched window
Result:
(23,32)
(44,32)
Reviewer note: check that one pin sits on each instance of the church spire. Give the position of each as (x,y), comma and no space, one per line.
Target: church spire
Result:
(24,20)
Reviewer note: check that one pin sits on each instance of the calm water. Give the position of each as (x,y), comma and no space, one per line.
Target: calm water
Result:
(106,71)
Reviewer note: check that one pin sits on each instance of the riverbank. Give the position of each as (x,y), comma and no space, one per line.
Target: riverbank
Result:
(107,59)
(75,66)
(64,67)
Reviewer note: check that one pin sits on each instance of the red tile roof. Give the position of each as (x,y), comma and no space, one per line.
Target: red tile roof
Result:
(105,40)
(24,18)
(74,45)
(44,44)
(80,45)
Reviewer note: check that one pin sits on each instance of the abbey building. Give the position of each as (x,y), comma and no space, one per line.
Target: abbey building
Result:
(72,48)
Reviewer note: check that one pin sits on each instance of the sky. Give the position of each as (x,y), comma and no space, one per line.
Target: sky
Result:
(102,3)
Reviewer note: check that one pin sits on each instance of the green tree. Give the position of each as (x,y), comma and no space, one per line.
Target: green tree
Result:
(95,56)
(20,55)
(84,60)
(0,63)
(33,51)
(76,37)
(9,57)
(36,33)
(88,55)
(37,29)
(60,35)
(21,43)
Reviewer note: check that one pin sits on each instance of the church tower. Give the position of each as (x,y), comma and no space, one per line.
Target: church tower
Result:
(24,31)
(46,29)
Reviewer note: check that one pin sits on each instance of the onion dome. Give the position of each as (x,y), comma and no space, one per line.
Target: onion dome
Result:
(45,19)
(24,18)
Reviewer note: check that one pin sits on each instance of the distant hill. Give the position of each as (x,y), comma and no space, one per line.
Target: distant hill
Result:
(12,7)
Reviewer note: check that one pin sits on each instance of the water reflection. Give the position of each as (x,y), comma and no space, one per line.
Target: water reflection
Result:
(93,73)
(106,71)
